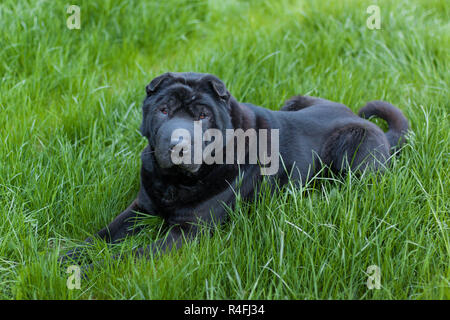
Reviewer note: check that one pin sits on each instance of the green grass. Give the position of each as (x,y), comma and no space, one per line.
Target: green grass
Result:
(69,153)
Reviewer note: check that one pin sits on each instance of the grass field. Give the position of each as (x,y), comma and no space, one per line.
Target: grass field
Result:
(69,152)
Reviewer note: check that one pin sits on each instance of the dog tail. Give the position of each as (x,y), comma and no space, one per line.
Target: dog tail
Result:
(397,122)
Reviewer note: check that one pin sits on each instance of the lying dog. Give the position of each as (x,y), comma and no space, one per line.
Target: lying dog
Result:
(312,133)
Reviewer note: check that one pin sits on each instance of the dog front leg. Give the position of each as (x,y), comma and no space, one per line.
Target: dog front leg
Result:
(124,224)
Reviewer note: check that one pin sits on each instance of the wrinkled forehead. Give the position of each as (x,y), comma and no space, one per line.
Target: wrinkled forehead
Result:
(187,93)
(200,82)
(193,78)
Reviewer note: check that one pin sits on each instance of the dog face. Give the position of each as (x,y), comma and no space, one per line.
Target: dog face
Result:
(179,108)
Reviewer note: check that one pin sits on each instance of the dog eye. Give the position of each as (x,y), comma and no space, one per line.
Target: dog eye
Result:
(203,115)
(164,110)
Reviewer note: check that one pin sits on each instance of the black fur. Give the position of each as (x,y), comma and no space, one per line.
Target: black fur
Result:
(312,132)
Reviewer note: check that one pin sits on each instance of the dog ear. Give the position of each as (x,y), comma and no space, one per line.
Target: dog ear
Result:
(220,89)
(156,83)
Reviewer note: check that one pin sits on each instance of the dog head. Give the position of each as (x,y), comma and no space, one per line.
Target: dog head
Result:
(179,108)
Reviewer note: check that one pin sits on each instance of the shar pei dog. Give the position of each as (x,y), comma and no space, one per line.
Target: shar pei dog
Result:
(204,148)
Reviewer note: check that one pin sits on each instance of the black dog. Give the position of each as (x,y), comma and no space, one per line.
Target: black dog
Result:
(313,132)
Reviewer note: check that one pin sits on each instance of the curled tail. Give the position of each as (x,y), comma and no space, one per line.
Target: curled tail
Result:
(397,122)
